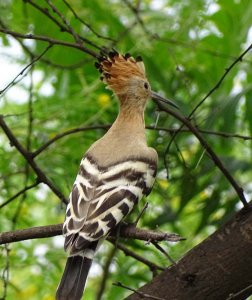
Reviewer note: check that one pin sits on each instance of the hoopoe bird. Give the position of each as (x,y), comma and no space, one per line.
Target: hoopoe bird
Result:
(114,174)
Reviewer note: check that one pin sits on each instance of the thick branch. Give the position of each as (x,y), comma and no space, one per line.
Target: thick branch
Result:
(126,231)
(217,268)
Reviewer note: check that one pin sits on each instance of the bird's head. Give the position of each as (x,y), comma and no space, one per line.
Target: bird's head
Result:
(126,77)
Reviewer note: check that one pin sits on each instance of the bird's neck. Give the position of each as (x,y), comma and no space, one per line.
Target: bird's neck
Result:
(125,139)
(130,120)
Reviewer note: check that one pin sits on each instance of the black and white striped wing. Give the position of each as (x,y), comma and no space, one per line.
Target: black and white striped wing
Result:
(101,198)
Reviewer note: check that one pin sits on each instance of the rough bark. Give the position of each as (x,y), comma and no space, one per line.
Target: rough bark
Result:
(217,269)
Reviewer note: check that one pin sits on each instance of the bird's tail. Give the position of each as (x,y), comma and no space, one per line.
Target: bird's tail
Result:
(74,278)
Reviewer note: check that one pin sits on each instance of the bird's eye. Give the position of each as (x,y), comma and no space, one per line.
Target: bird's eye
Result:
(146,85)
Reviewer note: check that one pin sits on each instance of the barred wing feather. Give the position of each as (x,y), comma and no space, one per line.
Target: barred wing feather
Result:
(101,197)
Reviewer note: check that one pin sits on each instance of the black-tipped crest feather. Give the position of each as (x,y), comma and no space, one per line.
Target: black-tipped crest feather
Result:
(127,55)
(139,58)
(117,69)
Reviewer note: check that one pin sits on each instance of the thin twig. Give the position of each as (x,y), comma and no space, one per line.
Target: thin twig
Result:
(28,156)
(152,266)
(227,70)
(180,154)
(122,35)
(209,150)
(86,24)
(105,274)
(6,272)
(45,60)
(13,82)
(217,85)
(155,36)
(139,293)
(136,12)
(223,134)
(50,41)
(243,294)
(62,27)
(164,252)
(37,182)
(65,133)
(73,66)
(70,28)
(141,213)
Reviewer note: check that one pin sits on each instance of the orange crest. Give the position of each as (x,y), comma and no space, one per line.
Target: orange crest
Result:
(118,69)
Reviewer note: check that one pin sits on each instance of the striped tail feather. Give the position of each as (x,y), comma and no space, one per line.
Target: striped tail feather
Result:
(74,278)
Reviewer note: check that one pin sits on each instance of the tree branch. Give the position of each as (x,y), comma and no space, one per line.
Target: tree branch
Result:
(164,252)
(28,157)
(105,274)
(206,96)
(139,293)
(219,266)
(24,69)
(107,126)
(26,188)
(70,131)
(243,294)
(227,70)
(126,231)
(50,41)
(62,27)
(68,26)
(45,60)
(86,24)
(152,266)
(209,150)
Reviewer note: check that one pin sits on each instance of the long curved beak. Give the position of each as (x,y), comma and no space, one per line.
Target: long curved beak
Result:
(157,97)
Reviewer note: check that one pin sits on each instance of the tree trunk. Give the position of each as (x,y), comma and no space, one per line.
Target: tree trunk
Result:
(219,268)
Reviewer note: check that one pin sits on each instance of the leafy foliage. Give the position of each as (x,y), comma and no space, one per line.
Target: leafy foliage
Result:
(186,46)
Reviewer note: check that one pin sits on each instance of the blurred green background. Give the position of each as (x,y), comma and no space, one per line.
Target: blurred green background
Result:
(186,47)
